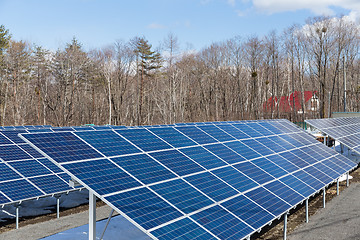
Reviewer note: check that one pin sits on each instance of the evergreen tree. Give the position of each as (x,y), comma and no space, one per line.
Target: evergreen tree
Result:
(148,62)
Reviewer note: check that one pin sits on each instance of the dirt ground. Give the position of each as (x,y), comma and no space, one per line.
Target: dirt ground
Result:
(272,232)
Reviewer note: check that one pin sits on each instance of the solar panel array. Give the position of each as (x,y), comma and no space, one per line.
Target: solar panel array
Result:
(24,172)
(346,130)
(210,181)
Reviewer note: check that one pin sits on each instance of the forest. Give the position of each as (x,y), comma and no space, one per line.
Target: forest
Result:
(135,83)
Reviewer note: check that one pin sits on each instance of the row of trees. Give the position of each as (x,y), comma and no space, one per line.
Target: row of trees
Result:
(132,83)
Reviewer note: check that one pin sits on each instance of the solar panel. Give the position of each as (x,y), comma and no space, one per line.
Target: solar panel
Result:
(25,173)
(195,180)
(346,130)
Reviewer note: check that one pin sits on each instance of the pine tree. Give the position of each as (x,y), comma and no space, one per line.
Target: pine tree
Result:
(148,62)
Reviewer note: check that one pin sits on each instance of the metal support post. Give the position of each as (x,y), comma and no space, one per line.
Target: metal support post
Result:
(347,179)
(17,216)
(285,225)
(337,187)
(307,210)
(58,207)
(324,193)
(92,216)
(248,237)
(107,223)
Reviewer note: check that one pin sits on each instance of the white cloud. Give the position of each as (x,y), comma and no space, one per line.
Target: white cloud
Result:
(156,26)
(231,2)
(319,7)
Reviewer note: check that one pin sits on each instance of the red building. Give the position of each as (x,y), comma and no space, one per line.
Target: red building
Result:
(286,104)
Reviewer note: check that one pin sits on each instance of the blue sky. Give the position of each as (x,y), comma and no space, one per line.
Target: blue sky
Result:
(196,23)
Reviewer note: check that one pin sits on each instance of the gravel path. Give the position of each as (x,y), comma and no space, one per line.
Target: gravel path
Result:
(339,220)
(44,229)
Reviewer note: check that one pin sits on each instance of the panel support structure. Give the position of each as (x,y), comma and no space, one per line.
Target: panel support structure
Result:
(285,225)
(17,216)
(307,210)
(58,207)
(92,216)
(347,179)
(324,195)
(107,223)
(337,187)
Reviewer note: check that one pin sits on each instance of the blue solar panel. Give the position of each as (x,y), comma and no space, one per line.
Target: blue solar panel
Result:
(182,229)
(30,168)
(216,133)
(31,151)
(182,195)
(144,168)
(144,207)
(284,192)
(19,190)
(243,150)
(299,185)
(103,175)
(258,147)
(13,135)
(4,140)
(108,143)
(235,178)
(50,184)
(225,153)
(55,144)
(222,224)
(196,134)
(12,152)
(269,201)
(212,186)
(248,130)
(269,167)
(203,157)
(233,131)
(254,172)
(144,139)
(177,162)
(6,173)
(173,137)
(248,211)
